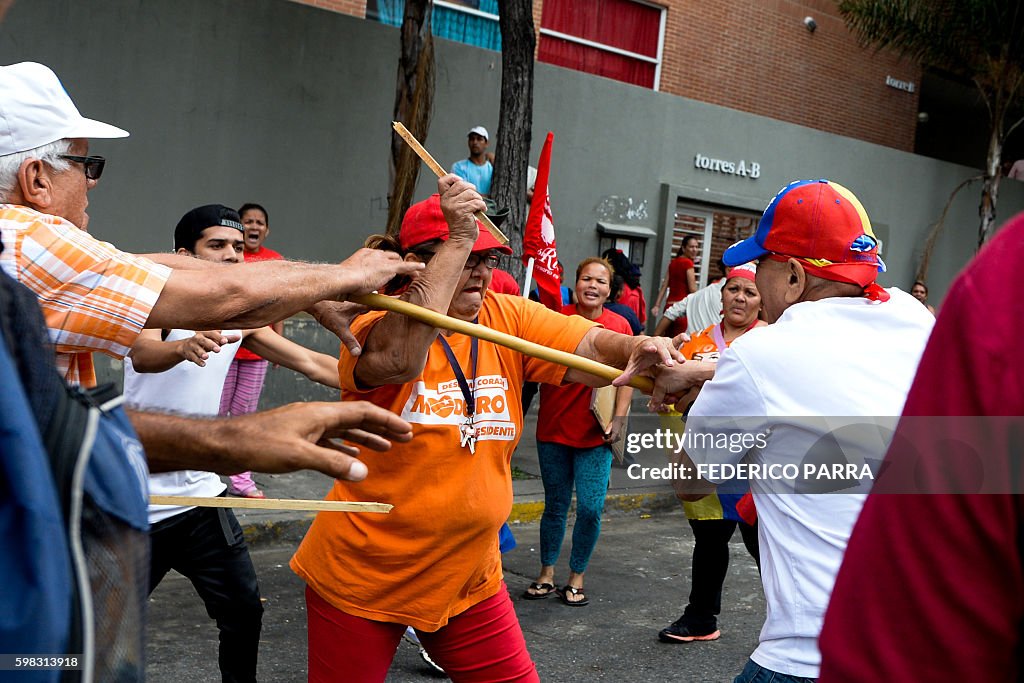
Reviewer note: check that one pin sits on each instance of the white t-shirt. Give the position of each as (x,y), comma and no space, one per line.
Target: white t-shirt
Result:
(702,309)
(835,357)
(186,389)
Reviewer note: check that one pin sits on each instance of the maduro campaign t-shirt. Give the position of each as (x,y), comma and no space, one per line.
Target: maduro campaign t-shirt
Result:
(436,553)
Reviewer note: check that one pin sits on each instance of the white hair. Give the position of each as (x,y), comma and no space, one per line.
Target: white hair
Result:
(48,153)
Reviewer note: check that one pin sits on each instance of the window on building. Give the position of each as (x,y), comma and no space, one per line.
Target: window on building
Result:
(474,22)
(619,39)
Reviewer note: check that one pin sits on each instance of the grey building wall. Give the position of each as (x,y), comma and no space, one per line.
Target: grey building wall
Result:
(289,106)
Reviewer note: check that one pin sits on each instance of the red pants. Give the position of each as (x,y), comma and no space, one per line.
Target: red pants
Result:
(483,644)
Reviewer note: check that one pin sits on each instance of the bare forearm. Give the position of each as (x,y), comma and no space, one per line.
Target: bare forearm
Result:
(179,262)
(181,443)
(252,295)
(248,295)
(623,397)
(609,348)
(396,348)
(149,355)
(318,367)
(662,291)
(322,368)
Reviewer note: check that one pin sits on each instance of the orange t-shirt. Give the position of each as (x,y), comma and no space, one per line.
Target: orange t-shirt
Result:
(436,553)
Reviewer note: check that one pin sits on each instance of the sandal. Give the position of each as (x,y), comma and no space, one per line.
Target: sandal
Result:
(548,589)
(247,493)
(576,592)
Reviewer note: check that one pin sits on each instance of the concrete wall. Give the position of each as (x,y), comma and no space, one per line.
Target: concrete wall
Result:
(290,106)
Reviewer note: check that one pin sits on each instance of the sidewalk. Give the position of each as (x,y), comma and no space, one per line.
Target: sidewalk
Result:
(625,495)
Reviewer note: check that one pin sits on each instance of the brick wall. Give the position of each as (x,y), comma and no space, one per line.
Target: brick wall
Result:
(757,56)
(355,8)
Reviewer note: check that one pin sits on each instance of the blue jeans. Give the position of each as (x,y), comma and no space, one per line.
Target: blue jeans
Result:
(562,467)
(755,673)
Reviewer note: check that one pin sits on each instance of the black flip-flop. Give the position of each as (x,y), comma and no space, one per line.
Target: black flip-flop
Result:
(575,592)
(548,588)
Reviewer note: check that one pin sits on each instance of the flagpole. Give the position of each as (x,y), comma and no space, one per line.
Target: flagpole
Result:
(527,281)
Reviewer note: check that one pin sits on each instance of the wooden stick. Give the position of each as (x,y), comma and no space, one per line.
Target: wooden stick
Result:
(422,153)
(272,504)
(434,319)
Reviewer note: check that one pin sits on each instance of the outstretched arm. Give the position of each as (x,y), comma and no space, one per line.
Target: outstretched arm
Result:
(660,299)
(298,436)
(396,347)
(318,367)
(256,294)
(634,354)
(150,353)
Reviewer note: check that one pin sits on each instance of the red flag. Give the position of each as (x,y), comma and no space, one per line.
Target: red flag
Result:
(539,236)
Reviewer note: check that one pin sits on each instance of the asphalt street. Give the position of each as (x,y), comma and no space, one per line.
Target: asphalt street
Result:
(637,581)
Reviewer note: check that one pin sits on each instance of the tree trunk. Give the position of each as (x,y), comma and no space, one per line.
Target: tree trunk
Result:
(414,99)
(515,122)
(990,187)
(933,234)
(4,6)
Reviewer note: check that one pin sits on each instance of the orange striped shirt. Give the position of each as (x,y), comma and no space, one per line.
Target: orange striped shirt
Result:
(94,297)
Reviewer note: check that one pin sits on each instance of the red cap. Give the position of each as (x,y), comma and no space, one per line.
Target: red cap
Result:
(424,222)
(823,224)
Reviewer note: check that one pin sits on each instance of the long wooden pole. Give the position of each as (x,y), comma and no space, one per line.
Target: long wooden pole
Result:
(273,504)
(423,154)
(445,322)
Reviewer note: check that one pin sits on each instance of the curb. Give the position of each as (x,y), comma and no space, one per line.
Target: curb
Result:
(528,512)
(292,527)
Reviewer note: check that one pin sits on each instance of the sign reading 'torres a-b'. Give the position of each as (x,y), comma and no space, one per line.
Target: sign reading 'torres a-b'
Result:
(747,169)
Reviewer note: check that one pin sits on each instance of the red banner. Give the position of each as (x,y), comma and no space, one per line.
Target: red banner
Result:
(539,236)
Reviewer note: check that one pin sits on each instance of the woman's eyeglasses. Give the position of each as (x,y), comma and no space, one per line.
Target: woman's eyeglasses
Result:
(490,260)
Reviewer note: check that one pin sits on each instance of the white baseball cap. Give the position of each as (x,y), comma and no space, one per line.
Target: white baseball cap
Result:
(35,110)
(479,130)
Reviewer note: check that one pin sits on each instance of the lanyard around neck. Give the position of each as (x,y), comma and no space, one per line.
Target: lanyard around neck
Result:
(460,376)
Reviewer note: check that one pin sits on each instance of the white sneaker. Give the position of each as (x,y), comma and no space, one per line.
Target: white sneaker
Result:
(433,665)
(411,636)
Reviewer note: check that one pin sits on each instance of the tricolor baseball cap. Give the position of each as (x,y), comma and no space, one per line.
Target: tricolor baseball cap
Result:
(424,222)
(479,130)
(35,110)
(821,223)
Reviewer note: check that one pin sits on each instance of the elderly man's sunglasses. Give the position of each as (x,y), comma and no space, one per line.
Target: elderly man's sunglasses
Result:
(93,165)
